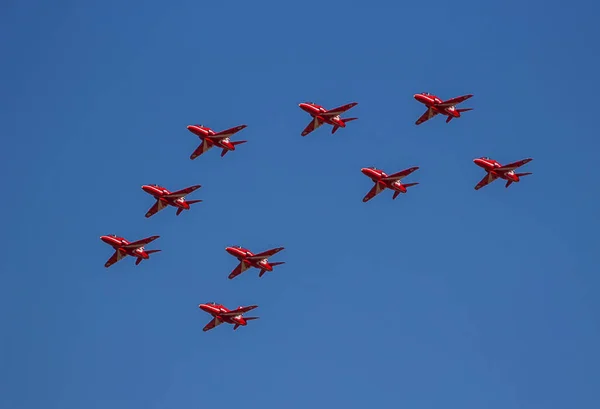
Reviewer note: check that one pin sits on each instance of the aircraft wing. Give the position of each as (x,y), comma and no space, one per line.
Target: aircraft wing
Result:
(157,207)
(204,146)
(400,175)
(215,322)
(240,268)
(228,132)
(375,190)
(455,101)
(181,193)
(238,311)
(514,165)
(430,113)
(487,179)
(314,124)
(265,254)
(339,110)
(117,256)
(140,243)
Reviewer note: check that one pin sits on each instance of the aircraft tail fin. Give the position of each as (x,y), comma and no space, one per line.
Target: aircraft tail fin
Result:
(225,150)
(344,120)
(509,182)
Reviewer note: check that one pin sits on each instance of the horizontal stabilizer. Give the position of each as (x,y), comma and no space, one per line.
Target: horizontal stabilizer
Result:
(152,251)
(410,184)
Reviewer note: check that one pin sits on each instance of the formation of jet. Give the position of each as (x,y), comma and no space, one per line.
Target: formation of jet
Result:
(322,116)
(495,170)
(247,259)
(125,248)
(384,181)
(211,138)
(166,198)
(221,314)
(436,106)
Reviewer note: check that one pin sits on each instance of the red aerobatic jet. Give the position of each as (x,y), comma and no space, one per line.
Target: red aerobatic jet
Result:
(248,259)
(211,138)
(125,248)
(495,170)
(437,106)
(166,198)
(322,116)
(383,181)
(222,314)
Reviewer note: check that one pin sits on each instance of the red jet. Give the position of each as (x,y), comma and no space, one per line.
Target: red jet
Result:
(495,170)
(248,259)
(166,198)
(322,116)
(222,314)
(437,106)
(383,181)
(125,248)
(211,138)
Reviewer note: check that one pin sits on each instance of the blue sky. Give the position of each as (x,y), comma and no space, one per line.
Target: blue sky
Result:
(445,297)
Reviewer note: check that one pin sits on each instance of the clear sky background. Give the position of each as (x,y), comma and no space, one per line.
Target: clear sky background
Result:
(446,297)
